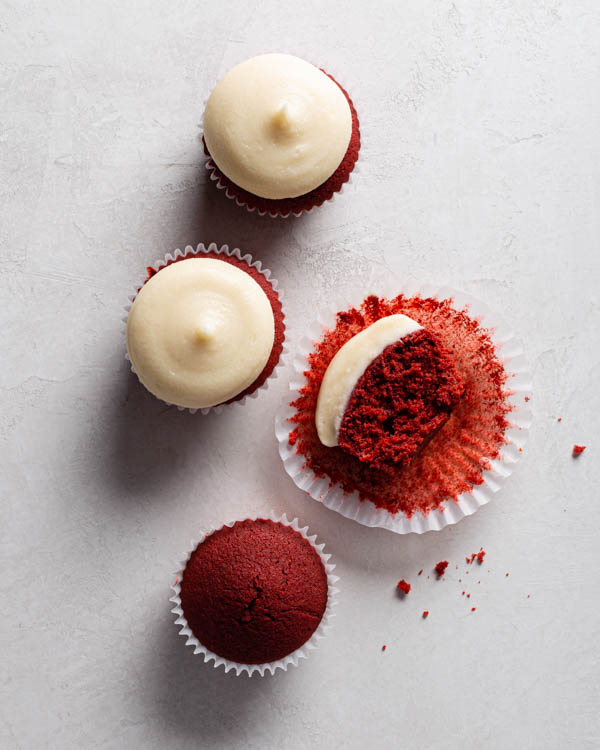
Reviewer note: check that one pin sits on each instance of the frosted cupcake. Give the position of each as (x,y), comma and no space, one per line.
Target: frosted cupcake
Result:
(282,135)
(205,329)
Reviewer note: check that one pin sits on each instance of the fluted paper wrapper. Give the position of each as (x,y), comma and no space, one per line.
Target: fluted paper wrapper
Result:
(510,352)
(201,249)
(296,656)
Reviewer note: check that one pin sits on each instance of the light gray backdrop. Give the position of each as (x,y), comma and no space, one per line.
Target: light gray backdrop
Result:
(480,169)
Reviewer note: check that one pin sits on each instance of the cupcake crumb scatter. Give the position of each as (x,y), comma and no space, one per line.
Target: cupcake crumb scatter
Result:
(403,587)
(578,449)
(476,556)
(440,568)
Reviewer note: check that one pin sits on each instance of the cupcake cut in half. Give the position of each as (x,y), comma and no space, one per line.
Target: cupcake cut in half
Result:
(255,592)
(386,392)
(282,135)
(205,329)
(405,404)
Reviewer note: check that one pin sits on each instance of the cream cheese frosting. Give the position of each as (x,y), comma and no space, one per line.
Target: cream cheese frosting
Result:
(199,332)
(347,367)
(277,126)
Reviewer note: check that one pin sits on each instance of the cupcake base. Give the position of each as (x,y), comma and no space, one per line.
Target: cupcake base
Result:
(296,206)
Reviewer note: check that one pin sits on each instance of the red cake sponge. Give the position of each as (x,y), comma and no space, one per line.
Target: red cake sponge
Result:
(402,399)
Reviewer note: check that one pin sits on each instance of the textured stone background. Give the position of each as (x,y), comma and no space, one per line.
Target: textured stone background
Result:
(480,170)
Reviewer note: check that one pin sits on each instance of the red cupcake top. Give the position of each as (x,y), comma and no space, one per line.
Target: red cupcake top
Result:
(254,592)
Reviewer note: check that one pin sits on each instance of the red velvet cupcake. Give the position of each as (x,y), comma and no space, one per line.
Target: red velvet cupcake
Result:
(402,399)
(209,337)
(282,136)
(255,595)
(427,425)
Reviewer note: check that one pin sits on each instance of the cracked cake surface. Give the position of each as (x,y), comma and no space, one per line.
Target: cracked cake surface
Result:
(254,592)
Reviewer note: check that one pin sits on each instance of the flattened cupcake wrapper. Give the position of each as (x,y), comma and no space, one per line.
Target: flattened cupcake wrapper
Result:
(292,659)
(215,175)
(519,381)
(190,252)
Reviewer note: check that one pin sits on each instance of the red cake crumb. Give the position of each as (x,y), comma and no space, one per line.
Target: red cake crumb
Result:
(440,568)
(255,592)
(383,648)
(403,586)
(419,573)
(526,398)
(426,613)
(578,449)
(273,298)
(402,399)
(476,556)
(506,575)
(559,419)
(455,459)
(318,196)
(468,596)
(473,609)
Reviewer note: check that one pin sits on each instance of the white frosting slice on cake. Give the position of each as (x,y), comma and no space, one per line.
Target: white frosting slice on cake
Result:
(347,367)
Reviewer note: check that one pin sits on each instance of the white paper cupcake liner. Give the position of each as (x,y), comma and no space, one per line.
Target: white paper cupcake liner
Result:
(519,383)
(291,659)
(216,177)
(189,251)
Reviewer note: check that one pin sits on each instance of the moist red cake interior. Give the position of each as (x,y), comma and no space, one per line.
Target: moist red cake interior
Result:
(274,300)
(316,197)
(454,460)
(401,400)
(255,592)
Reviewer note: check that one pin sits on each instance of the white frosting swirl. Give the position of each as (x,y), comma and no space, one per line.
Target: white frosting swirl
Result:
(277,126)
(199,332)
(347,367)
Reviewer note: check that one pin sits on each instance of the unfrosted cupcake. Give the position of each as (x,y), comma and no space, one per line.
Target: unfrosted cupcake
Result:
(255,594)
(282,135)
(205,329)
